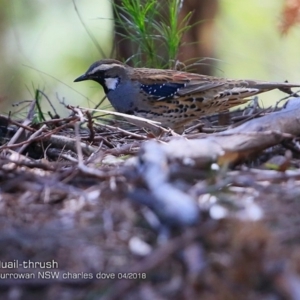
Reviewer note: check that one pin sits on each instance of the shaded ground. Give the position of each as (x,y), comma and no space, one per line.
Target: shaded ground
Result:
(90,216)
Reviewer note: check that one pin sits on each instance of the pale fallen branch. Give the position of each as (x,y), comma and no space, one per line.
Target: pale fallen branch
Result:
(238,143)
(138,121)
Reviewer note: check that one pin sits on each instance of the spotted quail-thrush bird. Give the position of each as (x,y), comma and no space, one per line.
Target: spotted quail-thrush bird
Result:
(172,97)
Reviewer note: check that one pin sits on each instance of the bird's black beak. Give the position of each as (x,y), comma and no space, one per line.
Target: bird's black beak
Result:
(81,78)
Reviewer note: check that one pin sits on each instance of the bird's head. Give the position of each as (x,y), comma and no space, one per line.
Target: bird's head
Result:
(108,72)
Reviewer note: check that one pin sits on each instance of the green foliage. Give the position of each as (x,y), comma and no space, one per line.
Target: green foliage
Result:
(38,116)
(151,30)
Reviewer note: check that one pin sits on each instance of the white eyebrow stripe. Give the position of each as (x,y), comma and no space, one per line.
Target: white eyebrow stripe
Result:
(105,67)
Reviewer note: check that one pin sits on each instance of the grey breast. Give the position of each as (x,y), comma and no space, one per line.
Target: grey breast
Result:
(124,96)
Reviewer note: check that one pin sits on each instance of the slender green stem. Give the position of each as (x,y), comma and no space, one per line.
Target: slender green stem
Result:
(152,30)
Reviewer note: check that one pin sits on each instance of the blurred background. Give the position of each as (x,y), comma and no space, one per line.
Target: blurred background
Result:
(45,45)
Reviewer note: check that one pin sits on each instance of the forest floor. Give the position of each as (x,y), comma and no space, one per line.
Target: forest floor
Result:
(93,211)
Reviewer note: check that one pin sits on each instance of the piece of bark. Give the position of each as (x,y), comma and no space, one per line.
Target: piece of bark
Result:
(171,205)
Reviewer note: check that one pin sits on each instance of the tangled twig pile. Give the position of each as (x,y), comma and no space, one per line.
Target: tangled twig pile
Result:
(121,214)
